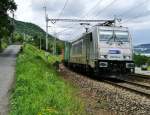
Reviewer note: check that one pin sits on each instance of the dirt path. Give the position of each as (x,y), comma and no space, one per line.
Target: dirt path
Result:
(7,71)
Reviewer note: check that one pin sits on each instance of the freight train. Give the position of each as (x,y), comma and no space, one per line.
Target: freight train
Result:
(104,48)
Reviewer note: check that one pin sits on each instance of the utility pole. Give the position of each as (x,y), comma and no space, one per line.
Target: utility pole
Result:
(54,46)
(40,44)
(24,37)
(46,19)
(13,23)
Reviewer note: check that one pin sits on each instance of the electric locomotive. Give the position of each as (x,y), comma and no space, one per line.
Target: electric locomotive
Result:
(104,48)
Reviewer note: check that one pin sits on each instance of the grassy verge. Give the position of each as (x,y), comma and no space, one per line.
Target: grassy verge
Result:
(3,46)
(149,68)
(39,89)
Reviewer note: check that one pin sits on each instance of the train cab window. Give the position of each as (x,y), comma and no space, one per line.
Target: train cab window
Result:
(106,35)
(122,36)
(115,36)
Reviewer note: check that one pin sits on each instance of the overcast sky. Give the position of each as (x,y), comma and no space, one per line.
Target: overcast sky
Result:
(135,14)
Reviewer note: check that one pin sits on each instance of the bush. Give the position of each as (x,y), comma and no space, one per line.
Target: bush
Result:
(140,60)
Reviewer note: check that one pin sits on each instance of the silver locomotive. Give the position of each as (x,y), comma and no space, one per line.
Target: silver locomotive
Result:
(101,49)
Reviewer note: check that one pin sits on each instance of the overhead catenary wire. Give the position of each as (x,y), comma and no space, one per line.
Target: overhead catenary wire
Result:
(61,12)
(91,8)
(97,3)
(66,2)
(138,15)
(67,29)
(94,7)
(79,20)
(71,33)
(133,8)
(106,7)
(135,17)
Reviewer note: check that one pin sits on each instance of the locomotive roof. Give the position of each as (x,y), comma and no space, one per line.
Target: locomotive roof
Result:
(109,28)
(119,28)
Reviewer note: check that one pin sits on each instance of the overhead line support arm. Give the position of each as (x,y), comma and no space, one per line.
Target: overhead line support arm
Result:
(77,20)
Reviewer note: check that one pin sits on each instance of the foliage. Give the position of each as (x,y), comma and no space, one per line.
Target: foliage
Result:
(6,27)
(141,60)
(148,62)
(28,28)
(149,68)
(18,37)
(37,35)
(39,89)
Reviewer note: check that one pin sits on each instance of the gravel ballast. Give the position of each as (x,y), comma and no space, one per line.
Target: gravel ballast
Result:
(104,98)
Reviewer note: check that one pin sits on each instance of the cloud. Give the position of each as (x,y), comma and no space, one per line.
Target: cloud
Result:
(135,14)
(53,6)
(75,8)
(24,11)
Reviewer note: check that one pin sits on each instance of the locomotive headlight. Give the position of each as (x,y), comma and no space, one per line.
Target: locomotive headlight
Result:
(130,65)
(103,56)
(127,57)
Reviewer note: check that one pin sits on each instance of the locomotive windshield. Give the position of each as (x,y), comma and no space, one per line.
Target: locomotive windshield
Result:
(116,36)
(122,36)
(106,35)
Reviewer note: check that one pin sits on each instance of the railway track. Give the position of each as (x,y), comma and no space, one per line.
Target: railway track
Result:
(147,77)
(139,78)
(130,85)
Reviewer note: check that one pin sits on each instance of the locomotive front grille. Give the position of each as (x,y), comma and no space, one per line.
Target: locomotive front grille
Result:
(117,65)
(130,65)
(103,64)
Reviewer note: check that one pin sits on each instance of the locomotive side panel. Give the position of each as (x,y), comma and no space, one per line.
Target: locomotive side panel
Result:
(93,48)
(77,52)
(67,53)
(83,51)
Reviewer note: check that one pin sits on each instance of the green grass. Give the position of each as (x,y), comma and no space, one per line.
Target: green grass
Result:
(149,68)
(3,46)
(39,89)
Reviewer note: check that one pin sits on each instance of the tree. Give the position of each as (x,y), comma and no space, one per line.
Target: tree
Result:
(148,62)
(6,27)
(18,37)
(140,60)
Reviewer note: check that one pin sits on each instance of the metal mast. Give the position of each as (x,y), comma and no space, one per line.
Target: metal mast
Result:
(46,20)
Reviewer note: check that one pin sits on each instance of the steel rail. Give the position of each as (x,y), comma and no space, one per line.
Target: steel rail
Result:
(140,76)
(132,86)
(136,84)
